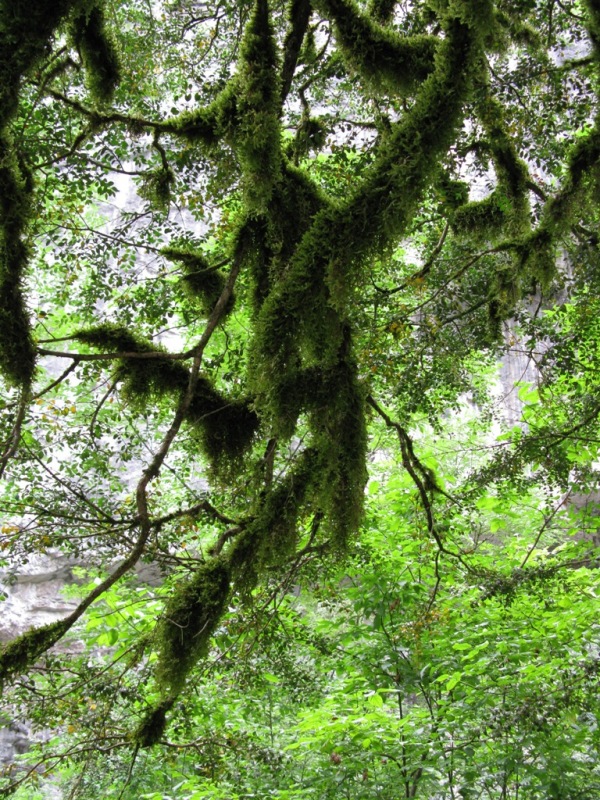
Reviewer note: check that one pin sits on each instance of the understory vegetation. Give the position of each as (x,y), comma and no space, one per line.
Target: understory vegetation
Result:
(299,315)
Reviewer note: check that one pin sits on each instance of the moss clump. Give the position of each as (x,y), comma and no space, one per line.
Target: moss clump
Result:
(593,25)
(246,113)
(97,52)
(388,61)
(188,622)
(20,654)
(537,256)
(202,282)
(537,251)
(256,134)
(152,727)
(272,535)
(382,10)
(209,124)
(311,135)
(340,435)
(328,478)
(505,212)
(301,313)
(511,170)
(226,426)
(27,27)
(143,379)
(156,188)
(482,220)
(17,350)
(520,32)
(452,193)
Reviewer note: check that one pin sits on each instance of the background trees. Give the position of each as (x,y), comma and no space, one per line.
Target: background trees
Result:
(249,249)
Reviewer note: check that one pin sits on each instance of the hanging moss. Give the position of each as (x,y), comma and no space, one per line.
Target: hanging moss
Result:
(143,379)
(511,170)
(270,539)
(298,33)
(97,52)
(390,62)
(18,656)
(156,188)
(592,8)
(519,31)
(226,426)
(311,135)
(188,622)
(382,10)
(27,27)
(246,113)
(266,242)
(537,252)
(453,193)
(251,247)
(506,212)
(256,135)
(207,125)
(538,256)
(17,350)
(151,729)
(507,290)
(340,435)
(203,283)
(482,220)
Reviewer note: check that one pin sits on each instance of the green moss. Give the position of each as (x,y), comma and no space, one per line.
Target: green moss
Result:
(388,61)
(266,243)
(143,379)
(453,193)
(97,51)
(537,253)
(311,135)
(188,622)
(506,290)
(27,27)
(270,539)
(256,135)
(340,435)
(251,247)
(151,729)
(156,188)
(382,10)
(592,8)
(209,124)
(18,656)
(511,171)
(482,220)
(202,282)
(246,113)
(17,350)
(25,34)
(519,31)
(226,427)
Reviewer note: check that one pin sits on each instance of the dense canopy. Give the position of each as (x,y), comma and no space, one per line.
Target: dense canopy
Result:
(259,262)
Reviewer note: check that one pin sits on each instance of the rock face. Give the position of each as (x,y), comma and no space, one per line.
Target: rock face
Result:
(517,367)
(33,596)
